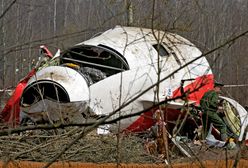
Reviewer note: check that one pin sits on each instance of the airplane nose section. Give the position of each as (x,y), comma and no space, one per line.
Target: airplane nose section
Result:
(55,93)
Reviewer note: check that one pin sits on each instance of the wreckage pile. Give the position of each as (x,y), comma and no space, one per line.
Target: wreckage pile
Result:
(43,145)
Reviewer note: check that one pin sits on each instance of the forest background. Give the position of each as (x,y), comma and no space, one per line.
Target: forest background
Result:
(27,24)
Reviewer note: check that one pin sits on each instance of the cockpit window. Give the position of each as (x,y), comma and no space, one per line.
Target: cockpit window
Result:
(172,52)
(161,50)
(95,62)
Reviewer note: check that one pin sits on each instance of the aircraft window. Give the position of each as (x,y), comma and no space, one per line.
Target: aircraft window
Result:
(117,53)
(173,54)
(161,50)
(100,58)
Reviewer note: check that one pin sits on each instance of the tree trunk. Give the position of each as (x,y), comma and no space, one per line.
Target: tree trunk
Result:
(3,57)
(129,8)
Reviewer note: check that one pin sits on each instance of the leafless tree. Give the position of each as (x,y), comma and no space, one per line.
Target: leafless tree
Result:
(26,24)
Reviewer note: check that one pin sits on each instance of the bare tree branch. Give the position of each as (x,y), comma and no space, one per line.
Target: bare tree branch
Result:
(7,9)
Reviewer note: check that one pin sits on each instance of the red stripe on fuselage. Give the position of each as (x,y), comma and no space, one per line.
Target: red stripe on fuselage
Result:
(197,89)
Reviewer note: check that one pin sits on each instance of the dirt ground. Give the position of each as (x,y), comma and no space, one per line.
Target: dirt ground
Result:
(42,146)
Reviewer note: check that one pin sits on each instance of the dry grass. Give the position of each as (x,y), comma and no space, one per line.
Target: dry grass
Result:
(42,146)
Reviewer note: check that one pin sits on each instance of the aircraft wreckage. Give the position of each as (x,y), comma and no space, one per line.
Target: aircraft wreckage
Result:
(126,69)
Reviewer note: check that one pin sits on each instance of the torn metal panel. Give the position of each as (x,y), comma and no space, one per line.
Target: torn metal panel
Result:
(56,112)
(242,117)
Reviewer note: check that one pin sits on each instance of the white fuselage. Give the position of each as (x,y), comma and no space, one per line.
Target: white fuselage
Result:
(152,60)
